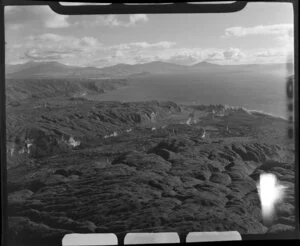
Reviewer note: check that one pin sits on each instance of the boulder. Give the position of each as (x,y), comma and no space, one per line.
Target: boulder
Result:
(220,178)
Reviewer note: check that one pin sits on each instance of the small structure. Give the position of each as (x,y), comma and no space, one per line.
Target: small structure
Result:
(114,134)
(129,130)
(153,117)
(189,121)
(12,150)
(73,142)
(28,144)
(202,133)
(220,114)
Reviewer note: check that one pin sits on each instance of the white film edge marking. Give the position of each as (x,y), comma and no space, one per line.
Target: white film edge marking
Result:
(213,236)
(151,238)
(146,238)
(75,239)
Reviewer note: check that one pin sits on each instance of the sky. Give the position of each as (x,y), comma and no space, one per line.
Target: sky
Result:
(260,33)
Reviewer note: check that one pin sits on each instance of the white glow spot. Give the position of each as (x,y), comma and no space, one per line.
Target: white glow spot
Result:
(270,193)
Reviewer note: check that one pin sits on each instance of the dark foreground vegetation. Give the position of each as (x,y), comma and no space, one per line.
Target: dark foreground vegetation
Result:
(80,166)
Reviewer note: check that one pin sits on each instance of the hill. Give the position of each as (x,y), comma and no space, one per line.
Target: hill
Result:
(155,67)
(58,70)
(18,90)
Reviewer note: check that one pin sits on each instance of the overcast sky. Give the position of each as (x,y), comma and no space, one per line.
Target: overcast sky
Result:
(260,33)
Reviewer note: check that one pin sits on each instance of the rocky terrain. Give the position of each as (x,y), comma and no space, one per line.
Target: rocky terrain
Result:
(76,165)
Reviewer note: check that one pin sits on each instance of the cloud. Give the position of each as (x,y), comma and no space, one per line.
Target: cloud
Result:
(182,56)
(89,51)
(112,20)
(192,56)
(283,33)
(49,47)
(269,53)
(132,53)
(145,45)
(133,19)
(233,54)
(37,55)
(182,59)
(85,51)
(279,29)
(224,56)
(277,55)
(18,16)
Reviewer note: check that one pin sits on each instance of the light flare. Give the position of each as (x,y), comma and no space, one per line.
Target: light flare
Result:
(271,192)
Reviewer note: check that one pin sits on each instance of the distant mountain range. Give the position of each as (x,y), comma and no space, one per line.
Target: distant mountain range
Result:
(49,70)
(58,70)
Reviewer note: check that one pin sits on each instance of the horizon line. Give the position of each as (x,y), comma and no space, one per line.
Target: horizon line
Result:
(166,62)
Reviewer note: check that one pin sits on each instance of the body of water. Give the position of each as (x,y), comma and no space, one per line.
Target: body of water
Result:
(257,91)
